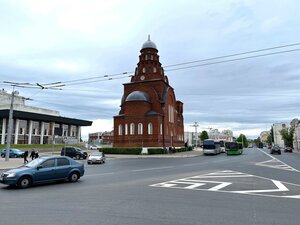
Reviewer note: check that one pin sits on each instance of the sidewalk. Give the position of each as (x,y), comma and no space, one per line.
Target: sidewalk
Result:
(16,162)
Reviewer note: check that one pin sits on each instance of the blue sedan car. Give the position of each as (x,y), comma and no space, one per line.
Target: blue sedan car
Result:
(43,170)
(15,153)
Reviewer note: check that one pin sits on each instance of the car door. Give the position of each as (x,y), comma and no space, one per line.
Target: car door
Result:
(63,168)
(45,171)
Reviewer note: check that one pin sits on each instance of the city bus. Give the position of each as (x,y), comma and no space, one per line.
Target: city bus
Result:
(233,148)
(211,147)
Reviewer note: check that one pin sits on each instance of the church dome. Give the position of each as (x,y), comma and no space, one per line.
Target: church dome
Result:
(149,44)
(138,96)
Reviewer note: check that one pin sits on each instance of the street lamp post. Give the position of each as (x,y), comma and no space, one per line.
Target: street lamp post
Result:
(10,125)
(196,136)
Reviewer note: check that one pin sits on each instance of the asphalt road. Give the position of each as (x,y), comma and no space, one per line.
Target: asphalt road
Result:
(250,189)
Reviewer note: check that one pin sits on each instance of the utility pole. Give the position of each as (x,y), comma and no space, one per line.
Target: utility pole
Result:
(10,125)
(196,135)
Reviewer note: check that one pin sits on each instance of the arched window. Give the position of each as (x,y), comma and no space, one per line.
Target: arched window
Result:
(154,70)
(140,128)
(161,129)
(151,57)
(146,57)
(144,70)
(132,129)
(126,129)
(150,128)
(120,132)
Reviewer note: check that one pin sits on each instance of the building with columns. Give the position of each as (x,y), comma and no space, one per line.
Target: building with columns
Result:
(150,115)
(32,125)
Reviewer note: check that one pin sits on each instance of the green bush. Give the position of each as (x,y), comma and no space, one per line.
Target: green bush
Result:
(127,151)
(154,151)
(184,149)
(137,151)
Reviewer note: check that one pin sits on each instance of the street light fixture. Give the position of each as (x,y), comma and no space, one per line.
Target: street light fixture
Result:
(196,138)
(10,124)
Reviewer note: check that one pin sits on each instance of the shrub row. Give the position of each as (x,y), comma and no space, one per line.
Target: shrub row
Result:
(137,151)
(127,151)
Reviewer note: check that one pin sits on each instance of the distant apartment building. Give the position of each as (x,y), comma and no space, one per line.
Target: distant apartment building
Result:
(226,135)
(264,136)
(277,127)
(32,125)
(98,138)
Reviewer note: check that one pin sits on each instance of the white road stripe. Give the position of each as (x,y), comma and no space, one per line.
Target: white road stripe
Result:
(194,186)
(154,168)
(280,186)
(220,186)
(292,169)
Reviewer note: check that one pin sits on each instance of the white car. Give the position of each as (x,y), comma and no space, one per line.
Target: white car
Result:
(96,157)
(94,147)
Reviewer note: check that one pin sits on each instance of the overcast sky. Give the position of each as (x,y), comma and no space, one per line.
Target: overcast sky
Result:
(65,40)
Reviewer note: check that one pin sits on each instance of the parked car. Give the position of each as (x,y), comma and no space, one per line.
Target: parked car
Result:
(96,157)
(13,153)
(43,170)
(275,149)
(73,152)
(288,149)
(95,147)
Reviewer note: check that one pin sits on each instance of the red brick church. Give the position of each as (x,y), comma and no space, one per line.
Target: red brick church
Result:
(150,115)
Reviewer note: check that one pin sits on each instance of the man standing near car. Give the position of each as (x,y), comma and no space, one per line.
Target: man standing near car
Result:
(25,157)
(32,154)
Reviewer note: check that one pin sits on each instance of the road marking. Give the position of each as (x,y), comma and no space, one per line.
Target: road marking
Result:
(282,165)
(195,186)
(154,168)
(293,196)
(280,186)
(236,183)
(220,186)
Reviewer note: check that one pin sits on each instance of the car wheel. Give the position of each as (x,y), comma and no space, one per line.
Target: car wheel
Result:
(77,157)
(2,156)
(24,182)
(74,177)
(15,156)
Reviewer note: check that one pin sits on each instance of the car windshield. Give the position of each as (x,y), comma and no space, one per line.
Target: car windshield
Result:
(34,163)
(96,154)
(16,150)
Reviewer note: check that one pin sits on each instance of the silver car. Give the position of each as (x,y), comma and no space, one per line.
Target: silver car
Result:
(96,157)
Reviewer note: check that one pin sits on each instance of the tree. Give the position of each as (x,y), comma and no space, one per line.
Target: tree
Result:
(288,136)
(243,139)
(203,135)
(272,135)
(269,139)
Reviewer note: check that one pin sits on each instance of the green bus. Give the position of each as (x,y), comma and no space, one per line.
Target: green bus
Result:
(233,148)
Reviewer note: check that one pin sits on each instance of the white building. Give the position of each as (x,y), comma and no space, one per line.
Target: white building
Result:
(264,136)
(32,125)
(277,127)
(190,138)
